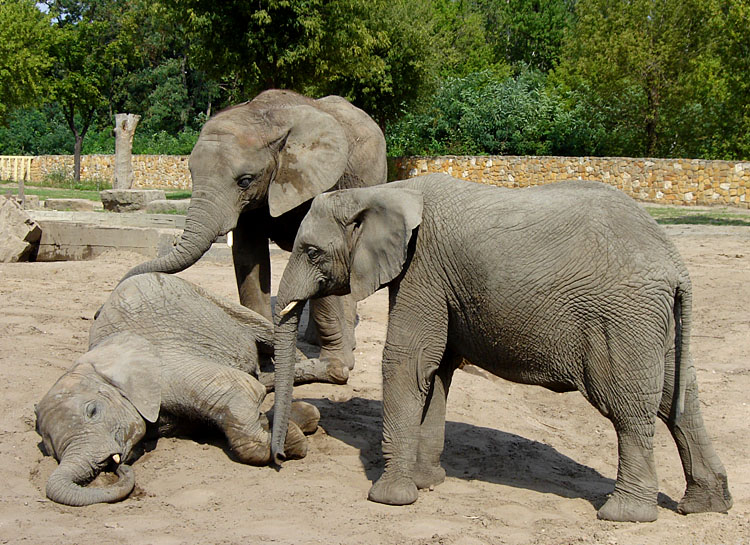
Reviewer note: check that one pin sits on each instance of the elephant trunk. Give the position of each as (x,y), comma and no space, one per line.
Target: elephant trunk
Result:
(64,484)
(295,287)
(204,222)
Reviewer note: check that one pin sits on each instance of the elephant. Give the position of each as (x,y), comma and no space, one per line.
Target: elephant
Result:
(164,357)
(569,286)
(255,168)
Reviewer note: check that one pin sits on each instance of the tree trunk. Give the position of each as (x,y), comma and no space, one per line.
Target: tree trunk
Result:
(77,157)
(125,125)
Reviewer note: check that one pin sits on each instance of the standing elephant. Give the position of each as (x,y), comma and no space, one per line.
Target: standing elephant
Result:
(162,353)
(570,286)
(255,169)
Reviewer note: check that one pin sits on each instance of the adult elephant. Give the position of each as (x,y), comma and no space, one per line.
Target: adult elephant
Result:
(570,286)
(255,168)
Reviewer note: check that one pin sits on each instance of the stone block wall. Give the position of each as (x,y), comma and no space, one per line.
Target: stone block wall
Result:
(149,171)
(663,181)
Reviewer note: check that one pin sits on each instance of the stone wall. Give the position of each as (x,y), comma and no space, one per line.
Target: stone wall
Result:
(663,181)
(150,171)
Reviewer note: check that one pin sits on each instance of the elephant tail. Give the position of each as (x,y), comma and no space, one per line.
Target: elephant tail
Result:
(683,314)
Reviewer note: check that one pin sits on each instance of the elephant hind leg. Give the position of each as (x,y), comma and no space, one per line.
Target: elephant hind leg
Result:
(707,489)
(624,380)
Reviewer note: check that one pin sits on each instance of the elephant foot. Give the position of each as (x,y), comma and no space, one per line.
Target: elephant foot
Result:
(428,475)
(621,508)
(341,358)
(706,497)
(399,490)
(306,416)
(295,445)
(336,373)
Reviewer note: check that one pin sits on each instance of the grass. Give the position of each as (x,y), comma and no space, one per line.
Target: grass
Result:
(69,190)
(680,215)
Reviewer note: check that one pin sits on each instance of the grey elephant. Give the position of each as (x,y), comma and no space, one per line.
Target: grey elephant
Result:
(163,353)
(255,169)
(570,286)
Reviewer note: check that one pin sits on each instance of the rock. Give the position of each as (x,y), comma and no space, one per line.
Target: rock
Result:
(78,205)
(171,206)
(130,200)
(19,234)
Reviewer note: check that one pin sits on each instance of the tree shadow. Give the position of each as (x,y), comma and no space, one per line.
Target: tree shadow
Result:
(475,453)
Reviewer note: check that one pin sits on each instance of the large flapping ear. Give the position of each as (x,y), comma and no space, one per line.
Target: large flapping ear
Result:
(312,157)
(129,363)
(380,231)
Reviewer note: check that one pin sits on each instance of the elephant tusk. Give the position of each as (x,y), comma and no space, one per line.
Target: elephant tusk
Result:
(230,238)
(287,309)
(116,458)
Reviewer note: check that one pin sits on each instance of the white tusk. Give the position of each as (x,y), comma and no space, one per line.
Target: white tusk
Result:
(116,458)
(230,237)
(287,309)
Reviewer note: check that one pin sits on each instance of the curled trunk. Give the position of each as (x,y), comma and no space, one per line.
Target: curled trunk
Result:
(203,224)
(64,484)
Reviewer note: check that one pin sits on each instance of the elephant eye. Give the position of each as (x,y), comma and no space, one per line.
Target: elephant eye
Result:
(245,182)
(92,410)
(313,253)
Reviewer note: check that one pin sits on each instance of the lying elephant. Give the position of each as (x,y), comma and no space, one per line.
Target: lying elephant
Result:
(162,351)
(570,286)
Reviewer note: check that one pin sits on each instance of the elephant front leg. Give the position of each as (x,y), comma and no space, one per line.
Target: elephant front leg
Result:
(410,359)
(252,265)
(336,333)
(428,471)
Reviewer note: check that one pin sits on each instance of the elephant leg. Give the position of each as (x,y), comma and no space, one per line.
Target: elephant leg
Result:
(252,265)
(336,335)
(634,498)
(231,399)
(428,471)
(307,371)
(623,379)
(413,351)
(707,489)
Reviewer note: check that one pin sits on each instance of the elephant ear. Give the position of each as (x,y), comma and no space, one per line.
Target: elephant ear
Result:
(380,232)
(129,363)
(312,157)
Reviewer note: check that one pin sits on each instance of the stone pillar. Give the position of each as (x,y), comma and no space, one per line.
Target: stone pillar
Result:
(125,125)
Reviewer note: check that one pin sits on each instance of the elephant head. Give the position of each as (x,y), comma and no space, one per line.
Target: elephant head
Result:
(278,150)
(351,241)
(93,416)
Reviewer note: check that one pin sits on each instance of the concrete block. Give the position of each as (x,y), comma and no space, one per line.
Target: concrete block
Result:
(168,206)
(130,200)
(79,205)
(19,233)
(72,241)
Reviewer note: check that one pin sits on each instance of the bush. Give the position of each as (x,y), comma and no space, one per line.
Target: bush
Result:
(481,114)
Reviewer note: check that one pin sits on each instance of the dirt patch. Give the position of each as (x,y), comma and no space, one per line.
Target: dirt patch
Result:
(524,465)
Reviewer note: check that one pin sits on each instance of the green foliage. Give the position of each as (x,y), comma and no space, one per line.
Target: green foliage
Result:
(40,131)
(62,180)
(481,113)
(527,32)
(25,42)
(163,143)
(686,216)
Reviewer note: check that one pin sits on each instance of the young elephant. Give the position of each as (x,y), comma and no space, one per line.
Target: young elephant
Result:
(162,351)
(571,286)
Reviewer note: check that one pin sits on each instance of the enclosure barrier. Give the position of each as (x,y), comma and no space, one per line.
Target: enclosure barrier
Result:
(15,168)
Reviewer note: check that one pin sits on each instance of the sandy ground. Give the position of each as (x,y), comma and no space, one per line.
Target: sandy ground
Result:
(524,465)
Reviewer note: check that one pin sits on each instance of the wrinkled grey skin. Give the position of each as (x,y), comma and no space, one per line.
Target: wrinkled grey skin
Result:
(570,286)
(162,352)
(255,168)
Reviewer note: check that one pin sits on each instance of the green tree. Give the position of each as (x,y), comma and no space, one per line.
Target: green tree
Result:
(25,41)
(527,32)
(378,53)
(89,54)
(639,58)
